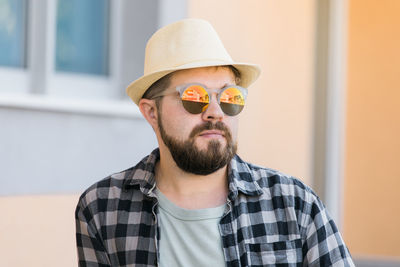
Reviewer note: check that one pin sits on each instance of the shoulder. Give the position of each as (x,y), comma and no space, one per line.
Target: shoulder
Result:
(279,187)
(108,188)
(288,198)
(273,180)
(115,186)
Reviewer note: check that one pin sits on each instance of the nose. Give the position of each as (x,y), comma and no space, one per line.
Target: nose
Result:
(213,111)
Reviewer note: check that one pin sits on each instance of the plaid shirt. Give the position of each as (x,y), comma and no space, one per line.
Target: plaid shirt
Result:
(271,220)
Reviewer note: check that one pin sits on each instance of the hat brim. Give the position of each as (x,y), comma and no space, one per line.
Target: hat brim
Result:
(135,90)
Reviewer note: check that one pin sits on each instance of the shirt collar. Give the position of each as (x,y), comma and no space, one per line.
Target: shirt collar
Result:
(240,177)
(143,174)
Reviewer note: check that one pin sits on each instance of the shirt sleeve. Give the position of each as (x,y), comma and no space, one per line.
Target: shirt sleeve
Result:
(323,246)
(91,251)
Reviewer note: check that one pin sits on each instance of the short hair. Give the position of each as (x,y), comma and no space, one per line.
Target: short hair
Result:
(162,84)
(157,88)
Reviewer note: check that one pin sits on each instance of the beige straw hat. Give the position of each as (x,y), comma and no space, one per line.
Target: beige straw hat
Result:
(186,44)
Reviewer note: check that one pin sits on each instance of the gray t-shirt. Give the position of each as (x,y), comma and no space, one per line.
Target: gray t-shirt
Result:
(189,237)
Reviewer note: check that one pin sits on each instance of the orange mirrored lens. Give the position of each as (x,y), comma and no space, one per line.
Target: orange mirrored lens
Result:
(232,96)
(196,93)
(232,101)
(195,99)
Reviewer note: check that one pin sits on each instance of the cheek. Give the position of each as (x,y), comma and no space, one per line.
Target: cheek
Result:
(179,126)
(170,116)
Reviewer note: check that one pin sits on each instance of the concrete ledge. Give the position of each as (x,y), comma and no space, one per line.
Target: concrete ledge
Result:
(369,261)
(114,108)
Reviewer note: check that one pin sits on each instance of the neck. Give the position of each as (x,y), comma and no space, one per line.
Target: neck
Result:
(190,191)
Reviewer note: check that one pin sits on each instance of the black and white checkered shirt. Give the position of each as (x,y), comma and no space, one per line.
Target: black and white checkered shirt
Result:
(271,220)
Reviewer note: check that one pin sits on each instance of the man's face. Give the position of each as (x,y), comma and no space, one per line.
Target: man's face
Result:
(199,143)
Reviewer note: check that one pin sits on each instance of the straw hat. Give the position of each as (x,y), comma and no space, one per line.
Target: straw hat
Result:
(186,44)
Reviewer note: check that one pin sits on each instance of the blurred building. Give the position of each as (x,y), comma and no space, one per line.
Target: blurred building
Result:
(325,109)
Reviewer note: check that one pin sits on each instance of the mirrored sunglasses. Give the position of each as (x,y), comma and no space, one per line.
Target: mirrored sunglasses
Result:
(196,98)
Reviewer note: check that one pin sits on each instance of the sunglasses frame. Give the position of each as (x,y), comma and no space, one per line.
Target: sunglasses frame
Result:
(181,89)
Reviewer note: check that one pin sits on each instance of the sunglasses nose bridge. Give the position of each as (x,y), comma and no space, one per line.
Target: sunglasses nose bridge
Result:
(213,97)
(213,110)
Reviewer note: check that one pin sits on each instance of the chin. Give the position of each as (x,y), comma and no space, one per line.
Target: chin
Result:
(203,144)
(205,148)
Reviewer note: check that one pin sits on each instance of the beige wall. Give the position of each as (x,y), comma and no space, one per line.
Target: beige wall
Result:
(38,231)
(372,177)
(276,125)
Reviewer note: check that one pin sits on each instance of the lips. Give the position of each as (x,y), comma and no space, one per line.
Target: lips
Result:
(211,133)
(209,129)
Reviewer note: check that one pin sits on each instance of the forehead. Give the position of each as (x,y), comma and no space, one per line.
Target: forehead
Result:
(213,77)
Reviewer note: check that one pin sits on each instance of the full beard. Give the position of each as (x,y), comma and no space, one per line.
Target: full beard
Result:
(191,159)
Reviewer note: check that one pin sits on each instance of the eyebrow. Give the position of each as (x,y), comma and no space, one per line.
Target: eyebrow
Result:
(225,85)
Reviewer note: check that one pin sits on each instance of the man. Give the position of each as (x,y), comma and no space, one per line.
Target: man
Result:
(193,201)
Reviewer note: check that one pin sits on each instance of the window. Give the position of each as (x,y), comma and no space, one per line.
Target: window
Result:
(12,33)
(79,60)
(73,50)
(82,36)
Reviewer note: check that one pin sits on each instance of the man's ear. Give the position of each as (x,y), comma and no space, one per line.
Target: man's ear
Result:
(149,110)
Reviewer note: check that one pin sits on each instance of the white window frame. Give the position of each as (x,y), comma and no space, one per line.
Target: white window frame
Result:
(14,80)
(62,84)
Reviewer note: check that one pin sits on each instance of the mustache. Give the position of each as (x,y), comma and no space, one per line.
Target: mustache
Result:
(211,126)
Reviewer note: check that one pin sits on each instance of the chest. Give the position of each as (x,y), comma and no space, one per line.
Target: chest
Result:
(251,233)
